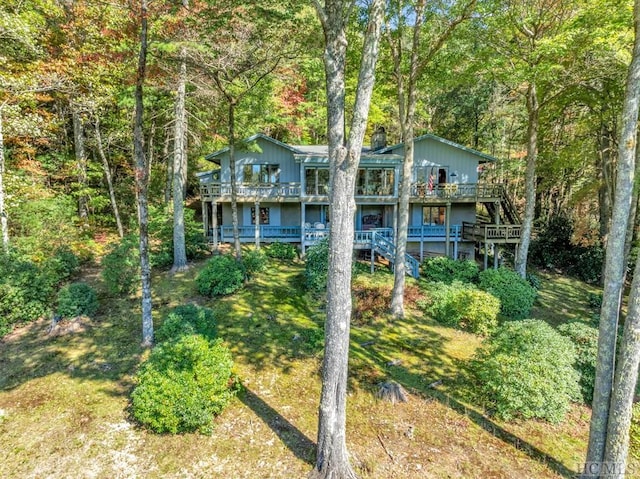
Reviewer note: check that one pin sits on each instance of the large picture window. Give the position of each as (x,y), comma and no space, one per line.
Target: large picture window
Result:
(259,174)
(433,215)
(375,181)
(264,215)
(316,181)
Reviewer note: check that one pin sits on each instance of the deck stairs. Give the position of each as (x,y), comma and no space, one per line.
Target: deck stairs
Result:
(386,248)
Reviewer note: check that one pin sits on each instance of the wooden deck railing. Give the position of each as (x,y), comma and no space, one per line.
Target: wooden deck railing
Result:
(450,191)
(491,232)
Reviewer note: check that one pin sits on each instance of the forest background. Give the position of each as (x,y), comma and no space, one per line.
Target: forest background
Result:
(67,76)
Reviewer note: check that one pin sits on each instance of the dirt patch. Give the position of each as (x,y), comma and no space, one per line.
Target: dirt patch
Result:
(64,327)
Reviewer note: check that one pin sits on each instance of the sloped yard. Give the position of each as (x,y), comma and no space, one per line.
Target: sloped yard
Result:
(64,398)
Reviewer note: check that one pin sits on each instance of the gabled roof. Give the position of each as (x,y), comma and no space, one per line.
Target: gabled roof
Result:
(431,136)
(215,154)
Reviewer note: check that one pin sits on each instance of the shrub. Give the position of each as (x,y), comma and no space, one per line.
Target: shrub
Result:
(317,266)
(465,307)
(77,299)
(187,319)
(586,263)
(161,236)
(25,291)
(222,275)
(585,340)
(281,251)
(594,300)
(516,295)
(183,385)
(526,370)
(63,265)
(446,270)
(121,266)
(254,261)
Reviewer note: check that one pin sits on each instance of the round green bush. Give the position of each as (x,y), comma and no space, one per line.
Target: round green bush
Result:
(516,295)
(281,251)
(525,370)
(121,266)
(77,299)
(183,385)
(254,261)
(187,319)
(63,264)
(317,266)
(464,306)
(447,270)
(222,275)
(25,291)
(585,340)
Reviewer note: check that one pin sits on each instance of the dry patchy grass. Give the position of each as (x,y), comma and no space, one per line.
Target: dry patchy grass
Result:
(64,399)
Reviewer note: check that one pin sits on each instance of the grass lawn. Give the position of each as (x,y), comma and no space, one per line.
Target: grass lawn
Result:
(64,398)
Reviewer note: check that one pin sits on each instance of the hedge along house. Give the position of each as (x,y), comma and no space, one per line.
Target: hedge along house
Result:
(282,195)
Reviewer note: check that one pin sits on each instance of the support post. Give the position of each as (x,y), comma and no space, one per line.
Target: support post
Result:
(486,256)
(303,220)
(214,223)
(205,219)
(447,233)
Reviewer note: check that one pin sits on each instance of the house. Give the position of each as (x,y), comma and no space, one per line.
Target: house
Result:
(282,195)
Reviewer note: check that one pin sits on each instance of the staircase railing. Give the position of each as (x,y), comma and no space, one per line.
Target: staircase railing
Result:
(508,206)
(387,248)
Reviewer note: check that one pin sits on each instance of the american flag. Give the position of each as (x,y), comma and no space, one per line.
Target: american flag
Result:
(430,184)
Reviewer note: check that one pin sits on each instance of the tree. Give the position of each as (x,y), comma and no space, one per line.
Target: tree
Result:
(238,50)
(180,163)
(142,181)
(611,415)
(528,37)
(407,83)
(332,458)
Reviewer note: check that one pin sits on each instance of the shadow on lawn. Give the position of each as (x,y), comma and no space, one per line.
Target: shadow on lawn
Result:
(429,349)
(100,350)
(294,439)
(271,322)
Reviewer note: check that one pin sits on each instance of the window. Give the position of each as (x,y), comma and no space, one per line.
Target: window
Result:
(317,181)
(261,173)
(437,174)
(433,215)
(264,215)
(375,181)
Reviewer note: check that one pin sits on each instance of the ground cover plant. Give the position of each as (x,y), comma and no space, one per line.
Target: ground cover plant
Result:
(525,370)
(463,306)
(273,330)
(516,295)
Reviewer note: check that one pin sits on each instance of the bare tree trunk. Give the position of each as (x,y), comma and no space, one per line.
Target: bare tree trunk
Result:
(256,232)
(107,174)
(533,109)
(332,460)
(142,183)
(406,110)
(81,161)
(3,212)
(611,417)
(168,159)
(179,159)
(234,186)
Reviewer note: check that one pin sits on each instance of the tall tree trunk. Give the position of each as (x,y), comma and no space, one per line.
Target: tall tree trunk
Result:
(610,418)
(3,213)
(142,183)
(233,179)
(81,163)
(533,110)
(332,460)
(179,174)
(607,185)
(107,174)
(406,109)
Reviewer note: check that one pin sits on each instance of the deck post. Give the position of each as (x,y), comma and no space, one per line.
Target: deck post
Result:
(303,220)
(205,219)
(486,256)
(447,232)
(214,223)
(422,243)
